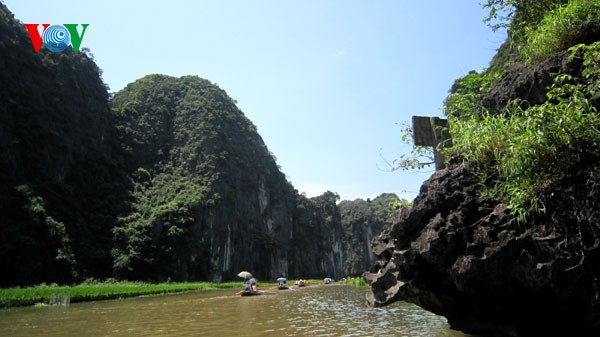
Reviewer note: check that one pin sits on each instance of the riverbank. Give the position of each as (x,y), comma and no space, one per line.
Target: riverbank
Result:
(355,281)
(43,294)
(97,291)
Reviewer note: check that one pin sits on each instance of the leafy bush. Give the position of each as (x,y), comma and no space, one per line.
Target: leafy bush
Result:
(420,156)
(520,154)
(514,15)
(466,91)
(577,22)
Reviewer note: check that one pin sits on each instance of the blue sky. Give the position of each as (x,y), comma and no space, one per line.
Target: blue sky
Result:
(325,82)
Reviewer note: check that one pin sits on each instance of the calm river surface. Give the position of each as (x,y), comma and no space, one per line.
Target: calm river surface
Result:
(332,310)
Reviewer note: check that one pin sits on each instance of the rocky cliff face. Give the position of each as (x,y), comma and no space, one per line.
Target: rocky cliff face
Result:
(59,163)
(318,242)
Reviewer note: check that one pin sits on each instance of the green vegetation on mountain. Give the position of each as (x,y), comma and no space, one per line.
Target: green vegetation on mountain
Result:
(191,149)
(577,22)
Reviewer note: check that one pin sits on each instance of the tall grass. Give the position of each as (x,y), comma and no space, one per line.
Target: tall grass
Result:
(12,297)
(519,155)
(575,23)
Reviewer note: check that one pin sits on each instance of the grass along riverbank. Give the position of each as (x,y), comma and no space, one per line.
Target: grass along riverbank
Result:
(95,291)
(44,294)
(356,281)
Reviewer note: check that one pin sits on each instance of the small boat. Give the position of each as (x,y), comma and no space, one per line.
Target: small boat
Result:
(283,287)
(251,293)
(249,286)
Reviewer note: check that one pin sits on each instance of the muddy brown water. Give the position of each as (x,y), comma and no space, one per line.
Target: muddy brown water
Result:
(327,310)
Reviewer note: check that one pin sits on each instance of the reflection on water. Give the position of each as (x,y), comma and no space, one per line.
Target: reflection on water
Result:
(332,310)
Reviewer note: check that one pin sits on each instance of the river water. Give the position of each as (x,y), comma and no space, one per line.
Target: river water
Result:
(327,310)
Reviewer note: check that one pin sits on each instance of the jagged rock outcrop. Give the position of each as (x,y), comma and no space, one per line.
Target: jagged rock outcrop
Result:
(528,85)
(453,254)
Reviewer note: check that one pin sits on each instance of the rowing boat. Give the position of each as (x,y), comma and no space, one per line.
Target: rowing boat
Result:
(251,293)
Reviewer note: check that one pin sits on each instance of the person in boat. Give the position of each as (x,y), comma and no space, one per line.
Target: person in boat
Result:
(253,285)
(248,285)
(282,282)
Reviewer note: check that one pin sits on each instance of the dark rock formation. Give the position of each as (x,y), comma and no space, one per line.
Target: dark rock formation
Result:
(60,183)
(527,84)
(454,254)
(318,243)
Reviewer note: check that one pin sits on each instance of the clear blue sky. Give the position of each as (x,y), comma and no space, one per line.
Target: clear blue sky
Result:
(325,82)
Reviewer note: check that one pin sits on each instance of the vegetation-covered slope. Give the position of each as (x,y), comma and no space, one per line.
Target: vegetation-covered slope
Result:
(208,196)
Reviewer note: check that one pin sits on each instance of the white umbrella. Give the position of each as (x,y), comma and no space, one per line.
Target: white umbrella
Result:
(281,279)
(245,275)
